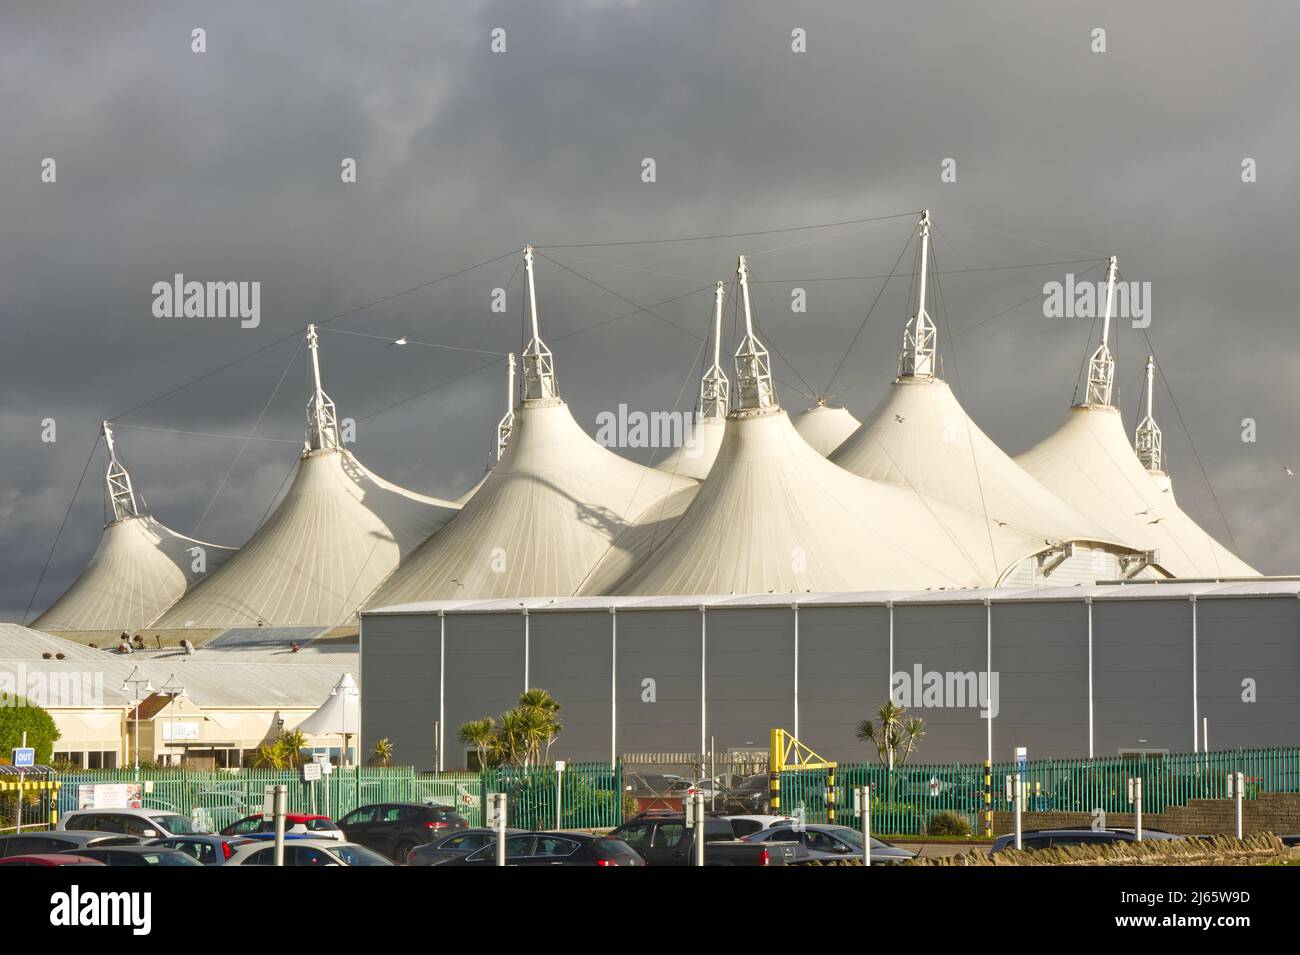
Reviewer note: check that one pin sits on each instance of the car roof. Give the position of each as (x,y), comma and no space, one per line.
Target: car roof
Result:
(310,843)
(133,850)
(122,812)
(55,858)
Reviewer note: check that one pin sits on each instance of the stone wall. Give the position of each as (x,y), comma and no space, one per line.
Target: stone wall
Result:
(1258,849)
(1269,812)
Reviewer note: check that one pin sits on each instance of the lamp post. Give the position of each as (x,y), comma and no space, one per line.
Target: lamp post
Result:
(137,683)
(173,690)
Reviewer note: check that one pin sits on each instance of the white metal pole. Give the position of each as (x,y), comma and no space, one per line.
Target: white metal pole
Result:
(796,670)
(559,796)
(527,642)
(865,799)
(1017,795)
(1110,298)
(704,663)
(988,676)
(698,799)
(1137,807)
(1205,733)
(442,687)
(613,686)
(279,798)
(1196,703)
(1238,781)
(499,803)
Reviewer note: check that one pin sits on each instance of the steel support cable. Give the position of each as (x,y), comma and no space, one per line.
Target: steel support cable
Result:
(62,524)
(731,235)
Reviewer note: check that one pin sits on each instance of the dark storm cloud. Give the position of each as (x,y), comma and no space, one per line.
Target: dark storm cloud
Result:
(225,166)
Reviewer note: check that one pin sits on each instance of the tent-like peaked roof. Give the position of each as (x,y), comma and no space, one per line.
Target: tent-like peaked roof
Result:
(339,531)
(825,427)
(140,568)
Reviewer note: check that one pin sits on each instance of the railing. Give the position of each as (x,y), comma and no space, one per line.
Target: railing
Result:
(591,795)
(906,798)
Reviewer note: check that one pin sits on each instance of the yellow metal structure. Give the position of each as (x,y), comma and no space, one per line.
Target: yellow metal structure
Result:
(790,753)
(23,788)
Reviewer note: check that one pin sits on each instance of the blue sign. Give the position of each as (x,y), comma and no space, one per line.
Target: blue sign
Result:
(24,756)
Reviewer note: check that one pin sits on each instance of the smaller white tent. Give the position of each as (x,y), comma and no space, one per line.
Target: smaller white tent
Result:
(825,427)
(694,458)
(339,715)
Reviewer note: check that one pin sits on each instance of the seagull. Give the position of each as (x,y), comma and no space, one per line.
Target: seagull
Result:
(1156,521)
(399,341)
(1288,470)
(1001,523)
(898,418)
(1147,511)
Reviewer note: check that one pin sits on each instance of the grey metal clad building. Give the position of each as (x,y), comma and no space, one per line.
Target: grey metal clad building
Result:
(1067,671)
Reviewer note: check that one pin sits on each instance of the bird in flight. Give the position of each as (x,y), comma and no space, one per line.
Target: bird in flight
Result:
(1288,470)
(399,341)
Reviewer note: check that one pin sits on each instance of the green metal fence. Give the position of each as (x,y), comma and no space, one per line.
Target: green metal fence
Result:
(591,795)
(592,792)
(906,798)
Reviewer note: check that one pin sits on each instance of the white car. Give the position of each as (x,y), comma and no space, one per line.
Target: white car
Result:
(748,825)
(146,823)
(307,852)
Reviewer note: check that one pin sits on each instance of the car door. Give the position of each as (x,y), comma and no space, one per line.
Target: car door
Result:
(671,843)
(550,850)
(359,825)
(518,849)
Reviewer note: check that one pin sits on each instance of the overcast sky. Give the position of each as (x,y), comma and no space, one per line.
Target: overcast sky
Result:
(225,166)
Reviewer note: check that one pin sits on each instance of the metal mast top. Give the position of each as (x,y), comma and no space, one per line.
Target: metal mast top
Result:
(322,421)
(1101,367)
(120,491)
(507,422)
(715,389)
(753,368)
(919,336)
(1148,440)
(539,366)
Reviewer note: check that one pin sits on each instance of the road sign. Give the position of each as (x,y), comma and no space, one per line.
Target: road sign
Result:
(1022,760)
(24,756)
(268,802)
(311,772)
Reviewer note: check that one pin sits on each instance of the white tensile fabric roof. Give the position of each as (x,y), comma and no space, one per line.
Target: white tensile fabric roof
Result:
(1090,464)
(545,516)
(339,531)
(774,515)
(693,460)
(919,436)
(825,427)
(140,568)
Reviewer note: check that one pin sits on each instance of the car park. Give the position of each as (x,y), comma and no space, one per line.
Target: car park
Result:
(206,848)
(48,859)
(298,823)
(308,853)
(555,849)
(394,829)
(827,843)
(454,845)
(142,823)
(137,856)
(1056,838)
(55,840)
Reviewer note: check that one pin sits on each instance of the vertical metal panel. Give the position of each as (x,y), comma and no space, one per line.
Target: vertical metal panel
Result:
(397,682)
(843,675)
(569,657)
(662,646)
(945,639)
(1040,656)
(1250,640)
(750,675)
(485,670)
(1142,656)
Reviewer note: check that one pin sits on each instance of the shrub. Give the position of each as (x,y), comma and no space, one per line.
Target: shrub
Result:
(948,824)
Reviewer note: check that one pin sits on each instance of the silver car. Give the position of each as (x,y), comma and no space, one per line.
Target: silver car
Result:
(837,843)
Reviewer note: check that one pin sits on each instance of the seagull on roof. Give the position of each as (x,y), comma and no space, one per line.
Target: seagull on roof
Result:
(399,341)
(898,418)
(1156,521)
(1288,470)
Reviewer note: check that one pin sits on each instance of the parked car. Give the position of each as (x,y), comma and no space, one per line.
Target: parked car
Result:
(447,792)
(833,843)
(395,828)
(208,849)
(298,823)
(555,849)
(48,859)
(745,825)
(749,796)
(27,843)
(307,852)
(684,787)
(1054,838)
(454,845)
(143,823)
(136,856)
(664,839)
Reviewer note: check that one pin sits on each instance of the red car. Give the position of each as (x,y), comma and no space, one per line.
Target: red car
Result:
(295,823)
(49,858)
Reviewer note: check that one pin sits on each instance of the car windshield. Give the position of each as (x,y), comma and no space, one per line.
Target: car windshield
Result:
(177,824)
(854,838)
(359,855)
(169,858)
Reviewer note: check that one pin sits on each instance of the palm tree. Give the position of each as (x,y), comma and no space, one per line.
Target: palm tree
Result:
(382,754)
(291,744)
(543,711)
(482,735)
(897,736)
(268,757)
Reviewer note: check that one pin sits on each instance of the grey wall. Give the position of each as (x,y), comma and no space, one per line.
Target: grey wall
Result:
(1142,676)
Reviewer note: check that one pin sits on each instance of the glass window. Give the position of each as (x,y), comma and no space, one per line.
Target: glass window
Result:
(359,855)
(637,834)
(668,835)
(261,857)
(519,846)
(306,856)
(554,847)
(819,841)
(320,825)
(359,816)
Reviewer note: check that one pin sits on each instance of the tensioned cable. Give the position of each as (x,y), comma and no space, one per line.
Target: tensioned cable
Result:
(863,278)
(866,318)
(410,341)
(772,345)
(731,235)
(243,447)
(205,434)
(62,524)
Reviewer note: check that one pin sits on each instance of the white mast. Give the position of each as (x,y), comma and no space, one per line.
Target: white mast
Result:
(753,369)
(539,367)
(1101,367)
(507,423)
(322,422)
(1149,441)
(120,491)
(919,336)
(715,389)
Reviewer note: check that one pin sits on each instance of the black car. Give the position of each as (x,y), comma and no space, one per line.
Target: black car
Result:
(136,856)
(1055,838)
(395,828)
(56,840)
(455,845)
(555,848)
